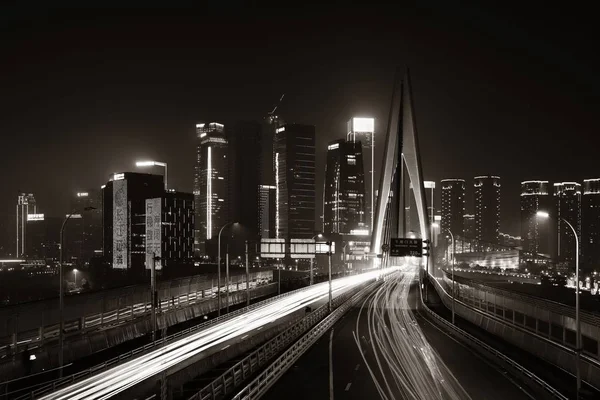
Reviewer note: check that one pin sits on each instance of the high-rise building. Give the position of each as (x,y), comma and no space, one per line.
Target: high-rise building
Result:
(123,217)
(567,197)
(535,233)
(295,181)
(487,209)
(344,192)
(244,181)
(169,229)
(469,224)
(363,130)
(267,211)
(43,237)
(83,234)
(26,205)
(453,206)
(211,182)
(590,219)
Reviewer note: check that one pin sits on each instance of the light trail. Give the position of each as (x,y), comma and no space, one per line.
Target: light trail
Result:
(122,377)
(405,364)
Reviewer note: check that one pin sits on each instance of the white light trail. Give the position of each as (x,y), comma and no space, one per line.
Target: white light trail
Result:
(116,380)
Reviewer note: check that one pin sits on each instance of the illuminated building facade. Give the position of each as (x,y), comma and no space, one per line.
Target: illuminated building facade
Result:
(43,238)
(487,209)
(211,184)
(363,130)
(83,233)
(590,218)
(266,221)
(123,217)
(469,224)
(453,206)
(344,192)
(567,196)
(294,153)
(535,232)
(25,205)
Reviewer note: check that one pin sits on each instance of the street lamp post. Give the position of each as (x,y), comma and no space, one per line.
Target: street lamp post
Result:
(219,267)
(312,260)
(330,291)
(152,164)
(61,295)
(543,214)
(453,283)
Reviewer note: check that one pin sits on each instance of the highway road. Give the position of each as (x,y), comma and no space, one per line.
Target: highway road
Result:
(383,349)
(118,379)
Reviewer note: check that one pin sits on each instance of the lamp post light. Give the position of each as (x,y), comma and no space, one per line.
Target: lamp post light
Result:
(312,260)
(61,295)
(544,214)
(152,164)
(453,283)
(219,267)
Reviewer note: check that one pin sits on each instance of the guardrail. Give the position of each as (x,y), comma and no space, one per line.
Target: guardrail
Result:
(58,383)
(484,346)
(243,369)
(273,372)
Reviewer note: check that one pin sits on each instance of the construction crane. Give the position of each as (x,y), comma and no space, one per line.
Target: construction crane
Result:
(271,116)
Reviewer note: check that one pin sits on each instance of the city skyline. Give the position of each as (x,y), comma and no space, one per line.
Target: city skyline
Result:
(456,106)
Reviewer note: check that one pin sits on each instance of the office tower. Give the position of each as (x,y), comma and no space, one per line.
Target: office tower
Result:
(487,209)
(267,156)
(123,217)
(295,181)
(567,196)
(469,226)
(535,233)
(453,206)
(267,211)
(169,229)
(25,205)
(211,188)
(83,233)
(43,237)
(344,192)
(590,221)
(244,181)
(363,130)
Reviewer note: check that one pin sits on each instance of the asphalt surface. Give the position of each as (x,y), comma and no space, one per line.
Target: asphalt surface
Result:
(467,374)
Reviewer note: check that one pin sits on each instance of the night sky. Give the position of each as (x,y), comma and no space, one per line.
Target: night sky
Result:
(85,93)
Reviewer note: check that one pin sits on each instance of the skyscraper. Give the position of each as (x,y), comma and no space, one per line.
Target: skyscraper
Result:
(344,192)
(412,217)
(453,206)
(267,211)
(295,181)
(487,209)
(25,205)
(469,224)
(535,233)
(244,180)
(590,219)
(363,130)
(83,234)
(567,196)
(211,191)
(124,217)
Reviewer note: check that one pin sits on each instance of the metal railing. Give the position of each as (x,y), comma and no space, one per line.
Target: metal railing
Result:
(242,370)
(58,383)
(484,346)
(275,370)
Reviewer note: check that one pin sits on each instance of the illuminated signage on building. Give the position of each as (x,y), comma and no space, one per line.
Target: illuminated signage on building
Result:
(363,124)
(120,225)
(282,129)
(35,217)
(333,146)
(153,232)
(118,177)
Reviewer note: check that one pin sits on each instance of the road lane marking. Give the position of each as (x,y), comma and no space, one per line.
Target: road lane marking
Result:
(225,347)
(348,386)
(357,367)
(244,337)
